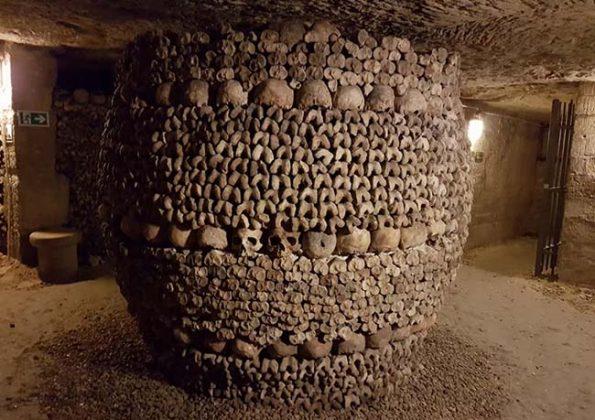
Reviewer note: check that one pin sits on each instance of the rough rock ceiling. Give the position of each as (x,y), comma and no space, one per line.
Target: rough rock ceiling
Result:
(528,101)
(502,42)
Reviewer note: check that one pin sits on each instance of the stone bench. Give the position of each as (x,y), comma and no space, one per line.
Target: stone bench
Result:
(57,254)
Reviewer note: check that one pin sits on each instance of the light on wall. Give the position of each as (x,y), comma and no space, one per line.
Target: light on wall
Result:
(5,82)
(475,128)
(6,112)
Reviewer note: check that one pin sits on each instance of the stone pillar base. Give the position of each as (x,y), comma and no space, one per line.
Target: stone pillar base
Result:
(56,250)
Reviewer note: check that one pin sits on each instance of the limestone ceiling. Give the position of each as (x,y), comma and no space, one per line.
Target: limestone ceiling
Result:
(502,42)
(527,101)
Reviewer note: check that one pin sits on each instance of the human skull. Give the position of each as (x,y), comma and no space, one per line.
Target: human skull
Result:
(319,244)
(291,32)
(212,237)
(321,32)
(280,241)
(274,92)
(349,98)
(163,93)
(381,98)
(355,242)
(385,239)
(313,93)
(249,241)
(413,100)
(232,92)
(196,92)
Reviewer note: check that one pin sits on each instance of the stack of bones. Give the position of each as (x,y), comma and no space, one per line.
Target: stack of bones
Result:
(79,126)
(286,206)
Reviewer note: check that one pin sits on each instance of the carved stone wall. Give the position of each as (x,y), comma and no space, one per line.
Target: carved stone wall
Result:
(577,252)
(286,207)
(504,180)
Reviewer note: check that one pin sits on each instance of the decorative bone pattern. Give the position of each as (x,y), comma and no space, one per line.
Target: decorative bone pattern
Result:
(286,207)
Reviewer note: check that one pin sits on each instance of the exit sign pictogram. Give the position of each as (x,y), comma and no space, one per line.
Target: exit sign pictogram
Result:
(33,118)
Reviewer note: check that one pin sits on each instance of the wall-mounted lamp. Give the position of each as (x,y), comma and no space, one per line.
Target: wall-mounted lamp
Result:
(6,112)
(475,128)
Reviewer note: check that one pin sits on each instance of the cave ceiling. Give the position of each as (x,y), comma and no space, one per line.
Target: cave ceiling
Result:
(502,42)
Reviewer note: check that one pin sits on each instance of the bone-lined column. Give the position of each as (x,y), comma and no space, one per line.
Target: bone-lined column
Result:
(577,255)
(286,208)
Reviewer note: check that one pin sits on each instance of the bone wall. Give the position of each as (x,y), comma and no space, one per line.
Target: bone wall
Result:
(283,202)
(80,117)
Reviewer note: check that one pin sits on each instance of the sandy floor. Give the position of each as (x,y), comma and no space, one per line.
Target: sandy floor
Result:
(506,346)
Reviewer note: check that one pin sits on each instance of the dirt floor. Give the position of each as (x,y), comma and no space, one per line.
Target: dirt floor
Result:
(505,346)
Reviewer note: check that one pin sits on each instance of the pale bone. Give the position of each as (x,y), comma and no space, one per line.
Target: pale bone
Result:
(318,244)
(178,237)
(151,232)
(163,94)
(313,93)
(281,242)
(413,100)
(244,349)
(437,228)
(321,32)
(385,239)
(231,92)
(280,349)
(351,343)
(349,98)
(356,242)
(196,92)
(274,92)
(314,349)
(380,338)
(290,31)
(381,98)
(413,236)
(249,240)
(212,237)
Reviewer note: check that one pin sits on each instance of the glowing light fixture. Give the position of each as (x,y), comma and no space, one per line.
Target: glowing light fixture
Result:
(5,83)
(6,112)
(475,128)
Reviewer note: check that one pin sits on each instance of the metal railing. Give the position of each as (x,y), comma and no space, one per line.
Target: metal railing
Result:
(559,144)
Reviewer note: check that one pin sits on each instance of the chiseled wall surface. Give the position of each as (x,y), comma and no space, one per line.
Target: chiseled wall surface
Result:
(538,206)
(577,253)
(505,176)
(42,194)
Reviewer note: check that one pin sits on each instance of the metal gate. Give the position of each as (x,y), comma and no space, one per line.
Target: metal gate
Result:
(559,143)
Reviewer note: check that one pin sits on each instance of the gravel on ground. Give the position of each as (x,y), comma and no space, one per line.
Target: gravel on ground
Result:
(103,370)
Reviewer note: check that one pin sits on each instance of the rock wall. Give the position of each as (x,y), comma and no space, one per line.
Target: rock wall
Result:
(538,207)
(504,175)
(577,252)
(38,195)
(286,207)
(80,118)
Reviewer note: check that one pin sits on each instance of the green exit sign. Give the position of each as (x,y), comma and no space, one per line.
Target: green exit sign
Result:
(33,118)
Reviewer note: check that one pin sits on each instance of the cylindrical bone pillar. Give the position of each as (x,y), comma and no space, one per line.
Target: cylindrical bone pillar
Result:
(286,206)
